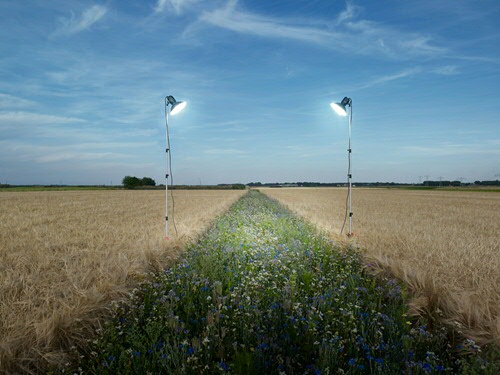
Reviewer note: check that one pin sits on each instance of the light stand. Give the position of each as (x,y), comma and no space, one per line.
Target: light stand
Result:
(340,109)
(175,107)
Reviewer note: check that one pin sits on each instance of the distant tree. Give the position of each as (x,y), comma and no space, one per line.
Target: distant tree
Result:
(238,187)
(147,181)
(130,182)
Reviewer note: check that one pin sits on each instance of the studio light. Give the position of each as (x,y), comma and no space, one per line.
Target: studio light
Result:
(340,109)
(174,108)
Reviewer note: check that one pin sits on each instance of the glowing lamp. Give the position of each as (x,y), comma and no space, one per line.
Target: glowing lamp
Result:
(175,107)
(340,109)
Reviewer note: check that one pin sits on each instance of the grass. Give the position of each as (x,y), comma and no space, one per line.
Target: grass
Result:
(443,245)
(65,255)
(263,293)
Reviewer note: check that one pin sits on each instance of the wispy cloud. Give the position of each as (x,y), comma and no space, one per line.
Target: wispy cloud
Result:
(179,6)
(447,70)
(401,75)
(391,77)
(347,14)
(228,17)
(449,149)
(10,101)
(9,117)
(44,153)
(84,21)
(224,151)
(160,6)
(347,33)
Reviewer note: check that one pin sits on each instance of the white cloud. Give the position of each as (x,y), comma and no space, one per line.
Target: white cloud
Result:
(406,73)
(44,153)
(454,149)
(348,14)
(391,77)
(177,5)
(88,17)
(10,101)
(9,117)
(347,33)
(230,18)
(65,156)
(224,151)
(422,44)
(160,6)
(447,70)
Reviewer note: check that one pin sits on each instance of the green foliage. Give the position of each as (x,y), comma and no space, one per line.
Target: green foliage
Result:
(131,182)
(238,187)
(263,293)
(147,181)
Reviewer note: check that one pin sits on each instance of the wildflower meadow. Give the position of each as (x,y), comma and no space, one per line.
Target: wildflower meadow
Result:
(262,292)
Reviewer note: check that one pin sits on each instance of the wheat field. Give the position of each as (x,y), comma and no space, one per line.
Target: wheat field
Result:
(445,245)
(64,256)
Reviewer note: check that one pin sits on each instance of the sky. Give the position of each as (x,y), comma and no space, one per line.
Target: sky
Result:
(83,84)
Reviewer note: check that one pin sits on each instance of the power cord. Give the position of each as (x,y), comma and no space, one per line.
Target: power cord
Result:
(347,198)
(171,177)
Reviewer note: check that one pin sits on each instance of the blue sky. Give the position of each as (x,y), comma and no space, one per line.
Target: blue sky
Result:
(82,87)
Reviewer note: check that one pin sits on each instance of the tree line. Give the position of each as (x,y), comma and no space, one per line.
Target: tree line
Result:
(131,182)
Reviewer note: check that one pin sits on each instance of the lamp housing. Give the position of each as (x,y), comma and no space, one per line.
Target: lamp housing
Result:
(175,106)
(340,108)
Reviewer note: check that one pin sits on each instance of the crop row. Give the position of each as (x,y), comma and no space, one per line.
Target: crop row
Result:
(263,293)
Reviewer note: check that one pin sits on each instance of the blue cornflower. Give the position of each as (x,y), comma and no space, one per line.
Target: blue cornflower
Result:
(190,350)
(351,362)
(223,366)
(263,346)
(136,353)
(275,305)
(380,361)
(111,358)
(427,367)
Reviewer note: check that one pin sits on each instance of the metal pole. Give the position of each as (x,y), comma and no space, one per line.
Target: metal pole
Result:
(350,174)
(167,148)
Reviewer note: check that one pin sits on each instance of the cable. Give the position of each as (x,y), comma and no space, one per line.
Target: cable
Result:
(171,180)
(346,209)
(347,198)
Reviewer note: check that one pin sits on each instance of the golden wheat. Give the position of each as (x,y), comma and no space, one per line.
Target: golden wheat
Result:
(65,255)
(444,244)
